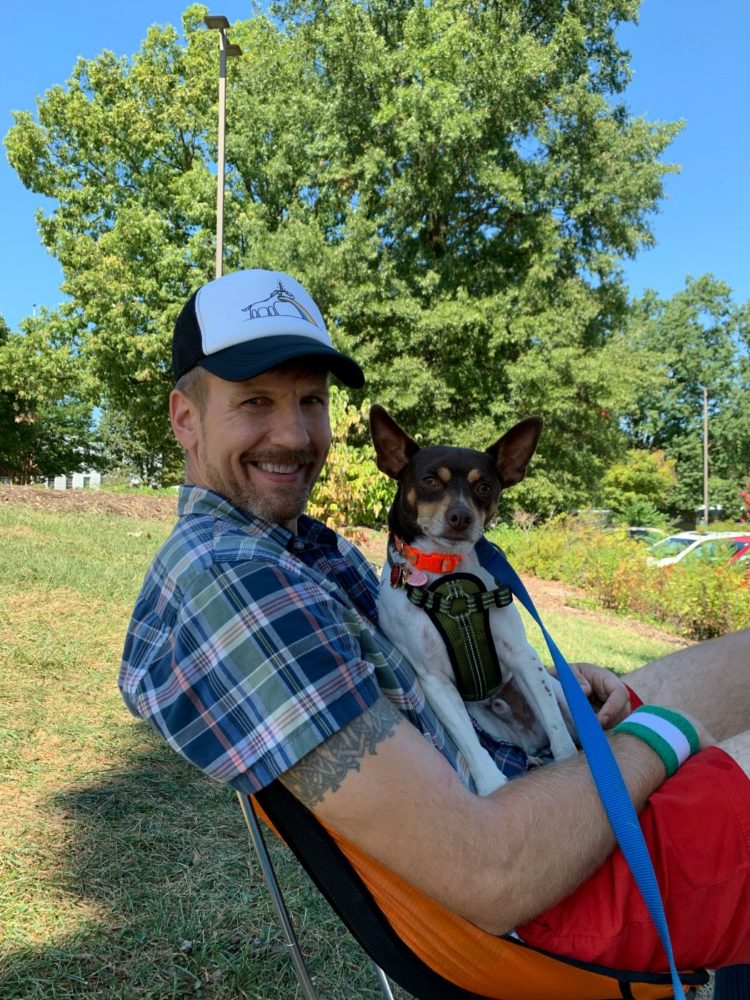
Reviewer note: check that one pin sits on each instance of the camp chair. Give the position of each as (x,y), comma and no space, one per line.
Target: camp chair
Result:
(344,889)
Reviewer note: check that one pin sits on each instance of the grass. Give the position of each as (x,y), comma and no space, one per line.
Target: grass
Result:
(124,872)
(616,644)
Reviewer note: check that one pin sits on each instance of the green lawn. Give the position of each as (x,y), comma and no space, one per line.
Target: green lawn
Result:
(124,873)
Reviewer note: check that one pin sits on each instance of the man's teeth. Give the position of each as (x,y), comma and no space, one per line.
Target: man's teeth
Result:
(268,467)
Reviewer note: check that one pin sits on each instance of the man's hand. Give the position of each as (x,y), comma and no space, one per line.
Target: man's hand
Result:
(608,695)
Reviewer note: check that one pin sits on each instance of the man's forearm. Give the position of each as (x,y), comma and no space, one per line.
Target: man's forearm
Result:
(497,861)
(561,834)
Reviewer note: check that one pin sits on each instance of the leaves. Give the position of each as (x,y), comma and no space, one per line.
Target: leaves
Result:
(698,339)
(455,183)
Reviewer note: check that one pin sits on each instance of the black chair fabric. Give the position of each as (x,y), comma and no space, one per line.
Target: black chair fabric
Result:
(339,883)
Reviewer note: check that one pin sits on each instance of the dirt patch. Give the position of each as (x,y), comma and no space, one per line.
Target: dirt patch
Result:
(548,595)
(552,595)
(140,505)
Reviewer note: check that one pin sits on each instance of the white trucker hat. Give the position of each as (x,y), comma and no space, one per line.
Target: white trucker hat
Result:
(245,323)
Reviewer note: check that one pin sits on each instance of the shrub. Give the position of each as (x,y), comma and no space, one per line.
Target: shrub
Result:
(696,600)
(638,510)
(351,491)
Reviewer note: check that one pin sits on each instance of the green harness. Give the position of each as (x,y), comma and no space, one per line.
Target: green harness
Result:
(459,606)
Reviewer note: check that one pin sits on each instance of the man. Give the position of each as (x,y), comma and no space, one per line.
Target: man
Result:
(254,651)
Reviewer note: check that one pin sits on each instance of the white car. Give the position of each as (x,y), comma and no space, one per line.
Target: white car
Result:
(692,544)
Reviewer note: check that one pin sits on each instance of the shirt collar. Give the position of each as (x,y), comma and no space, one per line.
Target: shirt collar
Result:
(199,500)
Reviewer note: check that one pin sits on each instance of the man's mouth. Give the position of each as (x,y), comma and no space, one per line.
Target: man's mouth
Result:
(289,464)
(280,469)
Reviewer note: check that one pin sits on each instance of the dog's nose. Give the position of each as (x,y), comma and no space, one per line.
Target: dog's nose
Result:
(459,518)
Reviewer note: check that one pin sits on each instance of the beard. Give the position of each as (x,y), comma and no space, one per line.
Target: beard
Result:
(278,503)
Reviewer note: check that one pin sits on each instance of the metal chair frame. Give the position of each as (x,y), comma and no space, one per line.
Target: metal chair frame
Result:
(350,899)
(277,898)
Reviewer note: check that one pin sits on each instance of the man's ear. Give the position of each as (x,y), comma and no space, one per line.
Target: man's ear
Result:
(393,447)
(512,453)
(184,414)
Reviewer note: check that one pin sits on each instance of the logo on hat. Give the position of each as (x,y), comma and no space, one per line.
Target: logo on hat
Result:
(269,306)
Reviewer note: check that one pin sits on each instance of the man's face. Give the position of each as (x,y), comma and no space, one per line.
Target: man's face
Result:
(260,443)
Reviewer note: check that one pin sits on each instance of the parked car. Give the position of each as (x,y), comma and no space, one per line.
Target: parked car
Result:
(742,554)
(713,546)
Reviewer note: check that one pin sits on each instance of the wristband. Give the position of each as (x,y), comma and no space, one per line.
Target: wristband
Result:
(670,735)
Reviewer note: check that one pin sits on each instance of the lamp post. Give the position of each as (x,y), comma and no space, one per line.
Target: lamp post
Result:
(219,23)
(705,456)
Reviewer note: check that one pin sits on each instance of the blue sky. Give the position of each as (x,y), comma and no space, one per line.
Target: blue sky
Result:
(690,62)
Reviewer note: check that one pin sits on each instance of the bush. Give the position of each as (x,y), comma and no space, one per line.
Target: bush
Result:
(695,600)
(638,510)
(352,491)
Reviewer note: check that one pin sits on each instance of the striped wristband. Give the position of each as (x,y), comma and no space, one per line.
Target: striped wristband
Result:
(669,734)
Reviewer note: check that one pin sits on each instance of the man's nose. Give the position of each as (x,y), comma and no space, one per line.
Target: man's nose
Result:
(289,427)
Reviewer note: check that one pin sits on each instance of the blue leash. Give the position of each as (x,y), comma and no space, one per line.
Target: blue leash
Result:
(601,761)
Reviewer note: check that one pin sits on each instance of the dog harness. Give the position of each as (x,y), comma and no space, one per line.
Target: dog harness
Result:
(458,606)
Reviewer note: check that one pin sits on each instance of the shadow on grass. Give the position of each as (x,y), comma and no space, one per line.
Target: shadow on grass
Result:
(162,853)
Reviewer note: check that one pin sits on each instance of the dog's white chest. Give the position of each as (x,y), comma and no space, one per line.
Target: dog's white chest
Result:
(412,631)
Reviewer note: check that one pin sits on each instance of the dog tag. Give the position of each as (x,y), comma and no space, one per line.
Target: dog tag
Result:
(417,578)
(398,574)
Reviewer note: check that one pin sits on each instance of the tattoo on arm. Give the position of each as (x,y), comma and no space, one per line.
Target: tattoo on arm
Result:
(324,769)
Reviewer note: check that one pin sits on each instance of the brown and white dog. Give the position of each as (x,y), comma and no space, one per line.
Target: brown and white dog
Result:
(446,496)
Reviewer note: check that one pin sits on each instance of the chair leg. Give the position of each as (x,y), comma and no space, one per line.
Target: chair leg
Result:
(269,875)
(385,986)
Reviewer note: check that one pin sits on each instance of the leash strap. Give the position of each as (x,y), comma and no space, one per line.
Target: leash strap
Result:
(601,761)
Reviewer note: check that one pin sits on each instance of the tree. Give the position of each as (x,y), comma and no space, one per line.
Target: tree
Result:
(640,483)
(700,338)
(122,149)
(45,419)
(455,182)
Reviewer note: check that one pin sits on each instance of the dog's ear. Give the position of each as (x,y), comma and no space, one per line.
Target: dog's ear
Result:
(512,453)
(393,447)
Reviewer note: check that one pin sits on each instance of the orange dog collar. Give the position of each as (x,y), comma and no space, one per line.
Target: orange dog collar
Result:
(430,562)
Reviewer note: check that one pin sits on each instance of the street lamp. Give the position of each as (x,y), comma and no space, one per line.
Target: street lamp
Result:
(219,23)
(705,455)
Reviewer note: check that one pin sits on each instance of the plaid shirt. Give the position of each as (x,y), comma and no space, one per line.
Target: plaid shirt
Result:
(249,645)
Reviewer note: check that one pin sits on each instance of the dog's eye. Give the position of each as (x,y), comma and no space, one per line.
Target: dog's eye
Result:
(431,482)
(483,489)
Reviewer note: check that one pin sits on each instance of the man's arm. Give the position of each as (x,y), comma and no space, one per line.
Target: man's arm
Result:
(497,861)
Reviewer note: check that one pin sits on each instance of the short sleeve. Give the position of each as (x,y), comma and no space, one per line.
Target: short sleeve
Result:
(259,668)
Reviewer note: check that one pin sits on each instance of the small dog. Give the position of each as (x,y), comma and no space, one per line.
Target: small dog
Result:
(446,497)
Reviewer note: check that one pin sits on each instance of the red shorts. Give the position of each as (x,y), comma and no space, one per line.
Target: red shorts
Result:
(697,827)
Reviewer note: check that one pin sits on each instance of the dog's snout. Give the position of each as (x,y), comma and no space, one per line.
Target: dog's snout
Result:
(459,518)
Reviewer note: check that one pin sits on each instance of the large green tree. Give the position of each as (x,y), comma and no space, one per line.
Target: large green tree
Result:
(456,182)
(699,339)
(45,411)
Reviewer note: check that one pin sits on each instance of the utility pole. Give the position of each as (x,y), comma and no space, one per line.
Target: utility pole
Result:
(219,23)
(705,456)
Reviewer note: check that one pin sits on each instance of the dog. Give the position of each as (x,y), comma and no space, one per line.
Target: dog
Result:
(445,499)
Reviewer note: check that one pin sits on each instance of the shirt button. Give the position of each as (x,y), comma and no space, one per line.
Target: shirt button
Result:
(299,545)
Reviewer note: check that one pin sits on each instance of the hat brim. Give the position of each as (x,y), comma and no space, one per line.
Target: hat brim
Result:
(254,357)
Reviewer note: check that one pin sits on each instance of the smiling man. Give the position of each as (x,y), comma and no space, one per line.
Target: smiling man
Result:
(260,442)
(254,650)
(250,405)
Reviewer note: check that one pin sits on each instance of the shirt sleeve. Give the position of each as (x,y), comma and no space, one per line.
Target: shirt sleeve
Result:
(259,668)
